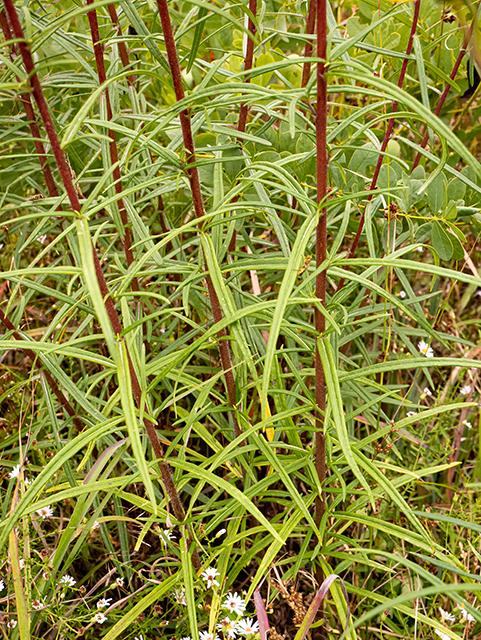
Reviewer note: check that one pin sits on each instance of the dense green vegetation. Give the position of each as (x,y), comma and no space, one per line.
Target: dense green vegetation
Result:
(224,379)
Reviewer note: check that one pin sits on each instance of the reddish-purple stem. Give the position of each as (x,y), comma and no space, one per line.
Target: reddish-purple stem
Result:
(311,23)
(112,312)
(321,248)
(123,53)
(32,121)
(197,199)
(241,125)
(386,137)
(442,99)
(99,60)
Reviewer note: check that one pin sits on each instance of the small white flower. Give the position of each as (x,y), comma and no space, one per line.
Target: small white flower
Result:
(425,349)
(141,637)
(96,525)
(209,575)
(27,482)
(37,604)
(179,596)
(66,579)
(11,624)
(411,413)
(427,391)
(100,617)
(205,635)
(186,638)
(14,473)
(402,294)
(46,575)
(420,249)
(467,424)
(465,390)
(120,582)
(45,512)
(220,533)
(446,616)
(227,625)
(234,603)
(2,585)
(42,239)
(103,602)
(247,627)
(230,634)
(467,616)
(478,293)
(166,536)
(442,635)
(21,562)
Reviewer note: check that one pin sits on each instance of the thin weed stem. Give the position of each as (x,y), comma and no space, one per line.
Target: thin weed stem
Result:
(387,137)
(321,250)
(197,201)
(241,125)
(126,233)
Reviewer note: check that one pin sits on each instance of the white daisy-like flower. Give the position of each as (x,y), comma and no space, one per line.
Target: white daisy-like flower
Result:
(45,512)
(226,625)
(442,635)
(209,575)
(186,638)
(2,585)
(66,579)
(420,249)
(467,424)
(103,602)
(14,472)
(119,582)
(425,349)
(165,536)
(21,562)
(96,525)
(427,391)
(37,604)
(11,624)
(230,634)
(220,533)
(179,595)
(42,239)
(467,616)
(234,603)
(205,635)
(100,617)
(411,413)
(28,482)
(402,294)
(446,616)
(247,627)
(465,390)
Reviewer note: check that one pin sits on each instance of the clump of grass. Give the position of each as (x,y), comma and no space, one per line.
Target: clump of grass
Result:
(239,298)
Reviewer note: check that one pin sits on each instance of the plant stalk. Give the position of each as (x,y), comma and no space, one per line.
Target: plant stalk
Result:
(387,136)
(197,199)
(126,233)
(321,249)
